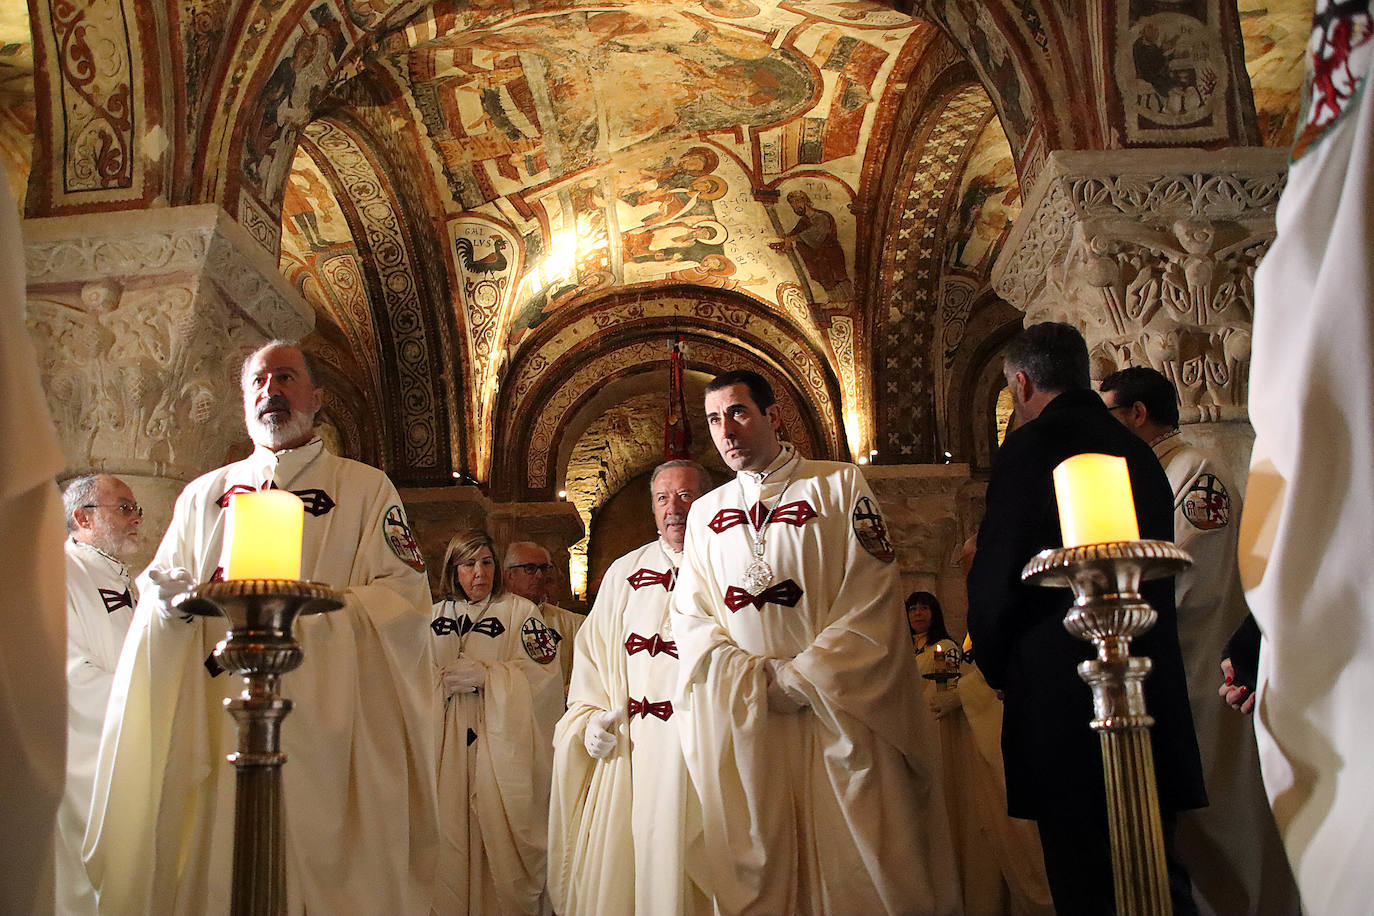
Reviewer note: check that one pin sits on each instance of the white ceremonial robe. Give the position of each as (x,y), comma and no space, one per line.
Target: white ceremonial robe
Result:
(100,606)
(1231,848)
(1309,520)
(358,785)
(981,889)
(620,827)
(33,685)
(495,757)
(837,808)
(1013,842)
(565,623)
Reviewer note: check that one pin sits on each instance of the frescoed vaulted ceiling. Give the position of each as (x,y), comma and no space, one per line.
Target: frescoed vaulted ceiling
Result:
(504,211)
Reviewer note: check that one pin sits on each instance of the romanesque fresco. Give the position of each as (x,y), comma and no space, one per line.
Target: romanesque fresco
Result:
(16,97)
(719,145)
(318,253)
(1276,32)
(989,200)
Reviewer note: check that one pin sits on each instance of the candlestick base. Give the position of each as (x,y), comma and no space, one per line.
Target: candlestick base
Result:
(1109,612)
(260,646)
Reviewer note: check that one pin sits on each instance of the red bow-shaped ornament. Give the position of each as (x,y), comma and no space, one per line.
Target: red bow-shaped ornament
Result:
(786,593)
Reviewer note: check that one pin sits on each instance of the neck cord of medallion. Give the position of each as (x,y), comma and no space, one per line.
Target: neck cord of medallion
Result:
(758,575)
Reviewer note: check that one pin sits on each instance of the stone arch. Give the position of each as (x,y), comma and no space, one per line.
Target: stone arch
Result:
(560,369)
(410,332)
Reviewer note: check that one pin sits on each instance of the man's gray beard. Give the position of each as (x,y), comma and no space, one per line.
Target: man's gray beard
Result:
(108,542)
(268,435)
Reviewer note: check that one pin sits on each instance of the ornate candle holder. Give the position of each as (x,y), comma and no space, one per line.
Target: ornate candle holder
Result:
(261,647)
(1109,612)
(946,668)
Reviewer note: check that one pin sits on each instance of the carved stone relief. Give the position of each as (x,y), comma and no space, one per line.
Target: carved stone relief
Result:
(1153,258)
(140,320)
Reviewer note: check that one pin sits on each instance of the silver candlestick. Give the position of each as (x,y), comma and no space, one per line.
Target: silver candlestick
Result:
(261,647)
(1109,611)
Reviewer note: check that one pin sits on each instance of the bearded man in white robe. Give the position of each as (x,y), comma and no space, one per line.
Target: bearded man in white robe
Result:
(359,782)
(619,822)
(103,521)
(802,719)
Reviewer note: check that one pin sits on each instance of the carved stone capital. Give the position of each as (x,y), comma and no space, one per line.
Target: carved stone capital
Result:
(140,320)
(1152,254)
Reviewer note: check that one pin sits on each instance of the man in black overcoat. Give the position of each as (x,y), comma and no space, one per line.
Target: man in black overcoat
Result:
(1053,759)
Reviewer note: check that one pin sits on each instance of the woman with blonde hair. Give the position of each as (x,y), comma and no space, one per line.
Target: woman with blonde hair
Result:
(502,695)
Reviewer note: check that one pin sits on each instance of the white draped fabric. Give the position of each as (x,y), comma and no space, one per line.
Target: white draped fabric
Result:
(1309,522)
(358,784)
(836,808)
(33,689)
(566,623)
(620,827)
(99,608)
(495,758)
(1231,848)
(1013,842)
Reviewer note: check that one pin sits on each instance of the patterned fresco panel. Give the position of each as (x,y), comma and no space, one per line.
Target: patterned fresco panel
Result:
(388,250)
(904,373)
(96,110)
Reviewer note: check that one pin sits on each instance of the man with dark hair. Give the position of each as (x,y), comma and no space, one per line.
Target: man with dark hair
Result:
(103,520)
(760,391)
(1232,848)
(619,822)
(359,793)
(802,718)
(1144,397)
(1053,760)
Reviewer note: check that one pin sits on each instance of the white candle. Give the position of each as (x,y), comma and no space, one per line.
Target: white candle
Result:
(264,534)
(1095,503)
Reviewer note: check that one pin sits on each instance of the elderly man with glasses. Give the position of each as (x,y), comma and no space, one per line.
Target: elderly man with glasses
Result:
(103,520)
(530,573)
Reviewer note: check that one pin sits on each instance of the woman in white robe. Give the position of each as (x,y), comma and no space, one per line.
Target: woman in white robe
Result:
(495,661)
(980,880)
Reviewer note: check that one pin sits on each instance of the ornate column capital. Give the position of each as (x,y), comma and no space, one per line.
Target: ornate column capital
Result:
(1152,254)
(140,319)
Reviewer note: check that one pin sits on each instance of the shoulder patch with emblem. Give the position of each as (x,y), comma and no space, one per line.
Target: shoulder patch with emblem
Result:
(540,642)
(400,540)
(1207,505)
(871,530)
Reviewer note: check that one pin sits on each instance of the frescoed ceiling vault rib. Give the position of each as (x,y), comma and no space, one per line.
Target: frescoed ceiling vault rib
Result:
(402,321)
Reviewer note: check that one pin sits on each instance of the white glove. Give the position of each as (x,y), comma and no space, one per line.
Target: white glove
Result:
(780,697)
(600,737)
(463,676)
(166,586)
(945,702)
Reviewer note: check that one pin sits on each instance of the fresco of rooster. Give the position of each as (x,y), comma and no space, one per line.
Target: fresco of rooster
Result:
(495,262)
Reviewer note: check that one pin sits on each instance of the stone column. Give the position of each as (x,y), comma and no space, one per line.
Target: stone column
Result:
(1152,254)
(437,514)
(556,525)
(141,320)
(930,509)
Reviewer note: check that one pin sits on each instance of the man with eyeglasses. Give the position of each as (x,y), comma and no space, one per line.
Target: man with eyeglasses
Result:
(618,820)
(359,787)
(103,520)
(529,572)
(1232,847)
